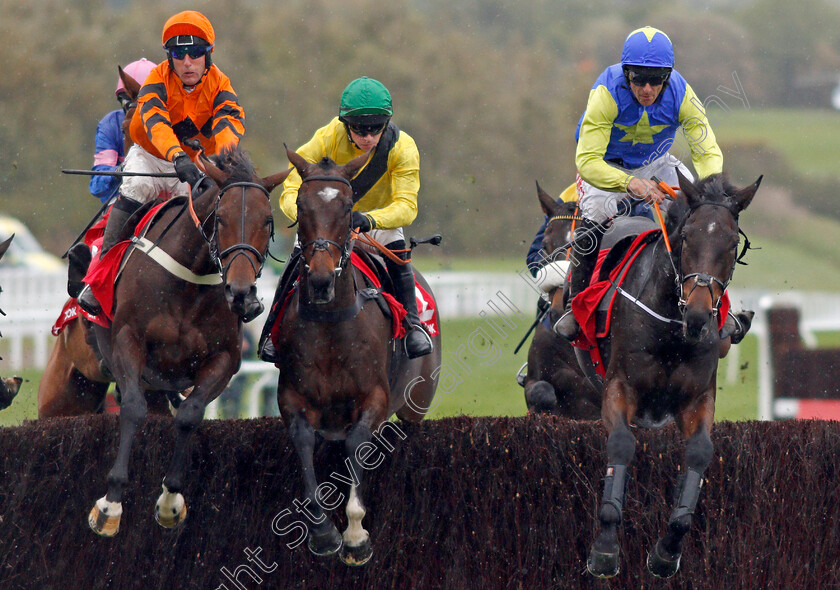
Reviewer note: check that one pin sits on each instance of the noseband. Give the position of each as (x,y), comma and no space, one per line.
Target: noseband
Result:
(241,248)
(706,280)
(323,243)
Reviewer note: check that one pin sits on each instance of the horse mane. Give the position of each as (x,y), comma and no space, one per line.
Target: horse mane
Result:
(715,188)
(234,161)
(326,163)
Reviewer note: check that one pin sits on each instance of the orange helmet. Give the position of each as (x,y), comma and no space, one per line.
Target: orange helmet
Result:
(191,23)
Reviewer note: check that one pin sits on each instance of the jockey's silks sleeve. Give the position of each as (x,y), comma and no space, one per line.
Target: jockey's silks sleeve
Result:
(595,130)
(616,133)
(167,114)
(705,152)
(391,202)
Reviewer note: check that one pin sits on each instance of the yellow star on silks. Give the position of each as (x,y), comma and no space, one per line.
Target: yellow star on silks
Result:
(641,132)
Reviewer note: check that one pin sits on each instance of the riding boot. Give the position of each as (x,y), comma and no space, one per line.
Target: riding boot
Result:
(585,248)
(265,348)
(120,214)
(737,325)
(417,342)
(79,260)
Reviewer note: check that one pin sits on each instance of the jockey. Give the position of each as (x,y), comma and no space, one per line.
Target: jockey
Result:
(184,99)
(387,187)
(634,110)
(110,143)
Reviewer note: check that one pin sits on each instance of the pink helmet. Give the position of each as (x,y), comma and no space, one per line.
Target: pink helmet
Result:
(138,70)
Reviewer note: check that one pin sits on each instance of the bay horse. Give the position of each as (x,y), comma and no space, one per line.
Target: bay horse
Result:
(173,332)
(554,382)
(74,382)
(661,357)
(341,374)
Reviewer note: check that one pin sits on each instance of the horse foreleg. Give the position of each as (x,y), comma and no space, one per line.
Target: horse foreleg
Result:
(170,508)
(603,560)
(324,538)
(104,518)
(357,549)
(664,559)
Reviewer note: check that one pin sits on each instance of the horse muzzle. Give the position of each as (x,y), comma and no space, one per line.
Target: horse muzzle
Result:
(698,324)
(321,287)
(243,301)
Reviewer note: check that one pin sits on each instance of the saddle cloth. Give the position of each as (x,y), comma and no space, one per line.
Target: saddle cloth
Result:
(588,307)
(103,273)
(426,305)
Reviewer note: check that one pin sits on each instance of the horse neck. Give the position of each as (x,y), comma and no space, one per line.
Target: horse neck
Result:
(191,243)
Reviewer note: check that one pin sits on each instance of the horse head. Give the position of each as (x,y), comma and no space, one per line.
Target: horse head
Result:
(555,245)
(707,247)
(242,228)
(324,205)
(132,89)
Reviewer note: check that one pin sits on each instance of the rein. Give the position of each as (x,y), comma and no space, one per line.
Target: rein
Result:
(242,247)
(323,243)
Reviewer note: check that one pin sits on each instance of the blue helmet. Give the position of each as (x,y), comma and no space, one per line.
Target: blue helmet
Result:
(648,47)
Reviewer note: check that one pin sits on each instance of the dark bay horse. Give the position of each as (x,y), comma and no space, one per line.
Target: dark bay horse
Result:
(174,332)
(554,382)
(340,372)
(73,382)
(665,367)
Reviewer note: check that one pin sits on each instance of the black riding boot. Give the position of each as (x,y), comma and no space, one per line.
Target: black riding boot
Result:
(737,325)
(265,348)
(79,258)
(417,342)
(120,214)
(587,244)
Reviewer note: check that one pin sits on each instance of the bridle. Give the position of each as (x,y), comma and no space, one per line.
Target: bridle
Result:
(705,280)
(242,248)
(323,243)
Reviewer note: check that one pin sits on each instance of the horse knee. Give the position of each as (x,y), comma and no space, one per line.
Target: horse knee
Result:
(190,413)
(698,451)
(621,446)
(541,398)
(133,410)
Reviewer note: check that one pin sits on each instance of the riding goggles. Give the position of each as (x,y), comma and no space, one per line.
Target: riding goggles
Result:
(644,78)
(364,130)
(194,51)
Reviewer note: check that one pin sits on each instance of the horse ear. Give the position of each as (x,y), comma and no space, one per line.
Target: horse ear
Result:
(5,245)
(352,167)
(132,86)
(687,187)
(744,196)
(211,169)
(297,161)
(548,204)
(271,182)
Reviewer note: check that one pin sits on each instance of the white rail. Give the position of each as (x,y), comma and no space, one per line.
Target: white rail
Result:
(33,300)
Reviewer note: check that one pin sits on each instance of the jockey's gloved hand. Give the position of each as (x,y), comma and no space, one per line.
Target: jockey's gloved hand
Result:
(363,221)
(186,170)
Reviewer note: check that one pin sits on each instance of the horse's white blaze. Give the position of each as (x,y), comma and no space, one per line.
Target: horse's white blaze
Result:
(355,535)
(112,509)
(169,504)
(328,193)
(711,228)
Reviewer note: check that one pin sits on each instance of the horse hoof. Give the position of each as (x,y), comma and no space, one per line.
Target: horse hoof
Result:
(357,556)
(602,565)
(325,544)
(104,518)
(660,566)
(170,509)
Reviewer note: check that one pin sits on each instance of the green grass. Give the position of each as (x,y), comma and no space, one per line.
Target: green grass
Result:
(481,382)
(809,139)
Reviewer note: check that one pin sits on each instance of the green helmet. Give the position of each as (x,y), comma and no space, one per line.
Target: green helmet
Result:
(364,97)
